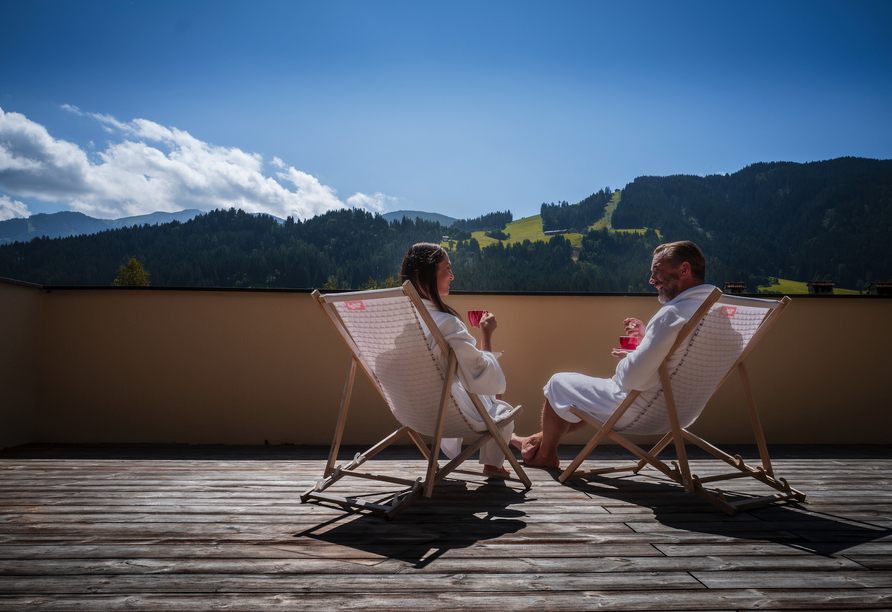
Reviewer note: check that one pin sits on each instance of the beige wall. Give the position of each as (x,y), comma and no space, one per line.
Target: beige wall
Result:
(18,363)
(118,365)
(810,382)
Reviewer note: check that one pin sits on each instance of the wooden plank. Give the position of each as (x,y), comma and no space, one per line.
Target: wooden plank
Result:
(881,561)
(154,548)
(810,579)
(705,600)
(483,565)
(323,583)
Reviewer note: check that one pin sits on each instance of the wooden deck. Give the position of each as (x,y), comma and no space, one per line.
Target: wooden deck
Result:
(201,528)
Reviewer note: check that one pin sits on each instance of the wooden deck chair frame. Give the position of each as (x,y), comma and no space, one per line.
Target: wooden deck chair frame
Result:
(681,472)
(434,473)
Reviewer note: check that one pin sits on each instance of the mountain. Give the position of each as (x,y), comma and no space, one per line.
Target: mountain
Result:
(413,214)
(829,220)
(64,224)
(158,217)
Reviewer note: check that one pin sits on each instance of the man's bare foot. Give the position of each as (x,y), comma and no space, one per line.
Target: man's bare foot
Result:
(529,450)
(495,470)
(539,460)
(528,446)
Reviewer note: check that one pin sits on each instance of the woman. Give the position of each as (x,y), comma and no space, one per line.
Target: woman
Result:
(428,267)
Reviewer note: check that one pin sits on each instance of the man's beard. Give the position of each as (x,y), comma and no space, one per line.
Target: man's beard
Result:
(668,291)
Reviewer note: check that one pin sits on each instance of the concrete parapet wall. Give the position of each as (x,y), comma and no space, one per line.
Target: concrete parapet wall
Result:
(244,367)
(19,368)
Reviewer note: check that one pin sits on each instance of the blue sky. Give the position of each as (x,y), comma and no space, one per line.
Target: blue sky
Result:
(463,108)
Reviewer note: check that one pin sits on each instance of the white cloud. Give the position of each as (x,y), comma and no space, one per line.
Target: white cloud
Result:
(12,209)
(378,202)
(133,176)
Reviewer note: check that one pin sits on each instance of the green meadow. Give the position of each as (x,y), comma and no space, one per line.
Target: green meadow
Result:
(530,228)
(790,287)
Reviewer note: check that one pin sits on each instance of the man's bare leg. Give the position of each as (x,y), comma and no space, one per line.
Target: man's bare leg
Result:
(540,449)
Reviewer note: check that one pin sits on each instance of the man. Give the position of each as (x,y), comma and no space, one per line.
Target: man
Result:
(677,272)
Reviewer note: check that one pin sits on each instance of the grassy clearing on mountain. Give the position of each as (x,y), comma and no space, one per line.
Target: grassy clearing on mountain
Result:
(530,228)
(790,287)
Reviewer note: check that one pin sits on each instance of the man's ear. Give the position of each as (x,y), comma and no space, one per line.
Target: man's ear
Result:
(684,269)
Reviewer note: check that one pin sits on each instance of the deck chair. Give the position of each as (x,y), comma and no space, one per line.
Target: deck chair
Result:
(384,331)
(712,345)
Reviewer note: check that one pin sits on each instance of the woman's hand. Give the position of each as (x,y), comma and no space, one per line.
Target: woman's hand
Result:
(487,326)
(634,327)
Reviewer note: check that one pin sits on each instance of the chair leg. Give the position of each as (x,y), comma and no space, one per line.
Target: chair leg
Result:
(342,418)
(604,430)
(684,467)
(754,417)
(445,395)
(509,455)
(656,449)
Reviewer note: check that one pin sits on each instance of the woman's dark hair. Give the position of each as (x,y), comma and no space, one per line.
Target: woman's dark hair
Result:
(420,267)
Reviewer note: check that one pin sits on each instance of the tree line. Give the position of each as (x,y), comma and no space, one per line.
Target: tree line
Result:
(488,222)
(575,217)
(228,248)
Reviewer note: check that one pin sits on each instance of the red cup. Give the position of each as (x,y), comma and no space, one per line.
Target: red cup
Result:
(629,343)
(474,317)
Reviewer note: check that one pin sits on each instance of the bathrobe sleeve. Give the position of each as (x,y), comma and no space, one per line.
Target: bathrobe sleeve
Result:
(479,371)
(640,368)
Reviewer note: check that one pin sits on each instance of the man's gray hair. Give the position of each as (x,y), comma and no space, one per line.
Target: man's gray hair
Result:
(685,251)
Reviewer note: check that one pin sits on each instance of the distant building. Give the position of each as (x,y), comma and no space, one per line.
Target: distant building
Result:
(821,287)
(880,288)
(734,287)
(555,232)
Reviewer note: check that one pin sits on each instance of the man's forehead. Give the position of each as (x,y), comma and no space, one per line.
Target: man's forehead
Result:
(660,259)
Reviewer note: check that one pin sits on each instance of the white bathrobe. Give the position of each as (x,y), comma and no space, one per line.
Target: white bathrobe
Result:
(478,372)
(600,397)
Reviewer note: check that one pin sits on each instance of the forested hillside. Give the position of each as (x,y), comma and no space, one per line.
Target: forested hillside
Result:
(829,220)
(821,221)
(227,249)
(489,221)
(575,217)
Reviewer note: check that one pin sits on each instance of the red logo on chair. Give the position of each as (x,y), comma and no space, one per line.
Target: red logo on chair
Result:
(357,305)
(729,310)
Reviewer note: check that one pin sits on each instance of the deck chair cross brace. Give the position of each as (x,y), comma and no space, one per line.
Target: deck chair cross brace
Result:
(384,331)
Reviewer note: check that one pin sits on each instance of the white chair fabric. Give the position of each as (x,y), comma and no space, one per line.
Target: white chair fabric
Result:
(710,352)
(391,341)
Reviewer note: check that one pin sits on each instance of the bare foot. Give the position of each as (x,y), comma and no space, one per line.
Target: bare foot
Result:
(516,441)
(527,446)
(539,460)
(495,470)
(529,450)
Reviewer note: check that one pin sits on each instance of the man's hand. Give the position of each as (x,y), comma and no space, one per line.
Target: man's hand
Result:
(619,353)
(634,327)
